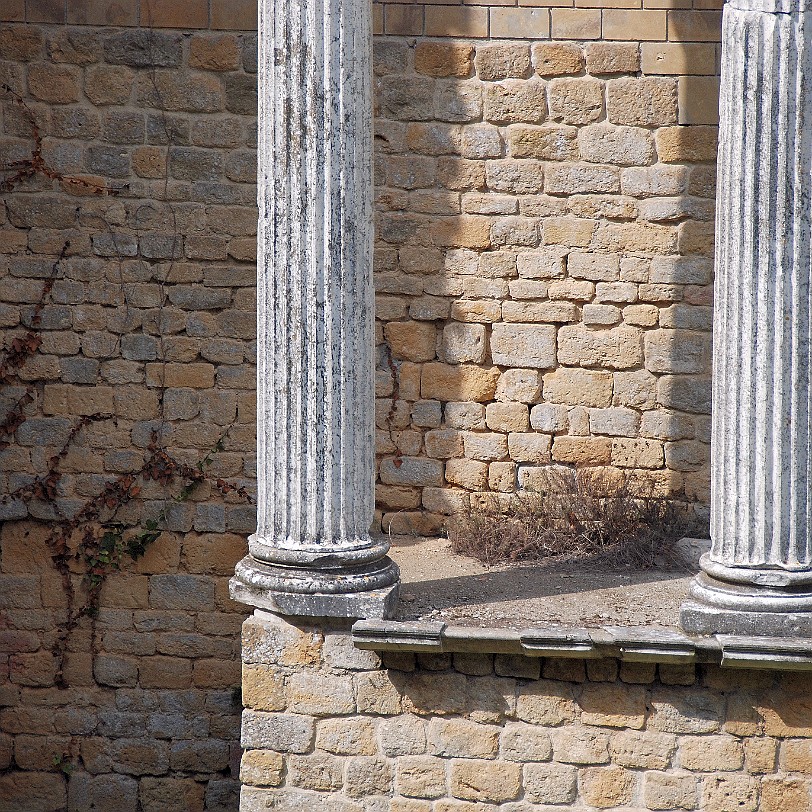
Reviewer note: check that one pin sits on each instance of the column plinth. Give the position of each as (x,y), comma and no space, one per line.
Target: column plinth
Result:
(757,577)
(312,553)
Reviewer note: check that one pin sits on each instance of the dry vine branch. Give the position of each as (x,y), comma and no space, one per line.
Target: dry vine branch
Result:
(35,163)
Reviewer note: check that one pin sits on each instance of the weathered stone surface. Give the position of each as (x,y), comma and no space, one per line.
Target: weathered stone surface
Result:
(478,780)
(291,733)
(618,348)
(550,783)
(578,387)
(527,345)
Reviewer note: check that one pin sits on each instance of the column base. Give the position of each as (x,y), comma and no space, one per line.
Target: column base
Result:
(369,591)
(721,607)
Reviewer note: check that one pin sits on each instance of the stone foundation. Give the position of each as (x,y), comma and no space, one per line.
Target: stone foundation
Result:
(330,727)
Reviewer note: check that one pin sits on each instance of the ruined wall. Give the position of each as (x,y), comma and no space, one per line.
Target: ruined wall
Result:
(330,727)
(545,184)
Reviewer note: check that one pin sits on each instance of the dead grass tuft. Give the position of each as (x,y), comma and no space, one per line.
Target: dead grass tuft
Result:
(578,514)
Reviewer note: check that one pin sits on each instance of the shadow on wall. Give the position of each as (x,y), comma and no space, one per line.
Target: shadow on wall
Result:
(544,264)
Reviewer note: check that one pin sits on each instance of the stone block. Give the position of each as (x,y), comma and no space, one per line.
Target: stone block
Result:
(518,23)
(578,387)
(580,745)
(513,101)
(286,732)
(463,342)
(485,446)
(20,43)
(108,84)
(524,743)
(486,781)
(317,772)
(574,178)
(616,348)
(263,768)
(732,792)
(576,101)
(428,693)
(502,61)
(354,736)
(529,447)
(185,592)
(458,383)
(53,84)
(550,783)
(458,738)
(710,753)
(376,693)
(523,345)
(578,24)
(156,794)
(649,102)
(221,53)
(164,672)
(440,59)
(637,453)
(546,142)
(209,755)
(653,751)
(622,146)
(402,736)
(420,777)
(557,58)
(467,473)
(319,694)
(609,57)
(677,710)
(116,672)
(667,791)
(365,776)
(546,703)
(607,786)
(613,705)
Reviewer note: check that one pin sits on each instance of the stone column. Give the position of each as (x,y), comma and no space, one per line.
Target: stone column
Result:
(312,553)
(757,577)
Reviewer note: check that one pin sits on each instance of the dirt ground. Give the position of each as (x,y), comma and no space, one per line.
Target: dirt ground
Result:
(438,585)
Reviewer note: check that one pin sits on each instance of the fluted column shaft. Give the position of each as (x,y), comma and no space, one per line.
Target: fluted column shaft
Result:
(761,505)
(315,381)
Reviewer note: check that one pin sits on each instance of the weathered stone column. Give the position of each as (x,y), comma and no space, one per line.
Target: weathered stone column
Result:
(312,553)
(757,578)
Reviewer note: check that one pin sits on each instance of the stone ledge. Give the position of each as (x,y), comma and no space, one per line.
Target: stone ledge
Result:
(629,644)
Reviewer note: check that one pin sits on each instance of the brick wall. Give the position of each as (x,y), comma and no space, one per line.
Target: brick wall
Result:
(544,194)
(330,727)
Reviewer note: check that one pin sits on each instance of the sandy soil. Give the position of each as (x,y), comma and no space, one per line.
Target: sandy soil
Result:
(438,585)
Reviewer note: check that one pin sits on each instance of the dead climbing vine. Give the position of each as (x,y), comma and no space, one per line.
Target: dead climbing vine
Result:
(94,541)
(397,460)
(35,163)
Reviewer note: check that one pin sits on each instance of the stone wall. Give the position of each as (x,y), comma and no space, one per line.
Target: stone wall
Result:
(150,320)
(329,727)
(545,184)
(544,262)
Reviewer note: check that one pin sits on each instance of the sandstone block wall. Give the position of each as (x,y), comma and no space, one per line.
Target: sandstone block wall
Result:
(544,193)
(544,250)
(151,321)
(330,727)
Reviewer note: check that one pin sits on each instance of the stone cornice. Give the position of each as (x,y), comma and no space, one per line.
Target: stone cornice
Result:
(626,643)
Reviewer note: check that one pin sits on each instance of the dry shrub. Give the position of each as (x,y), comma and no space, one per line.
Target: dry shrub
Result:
(575,515)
